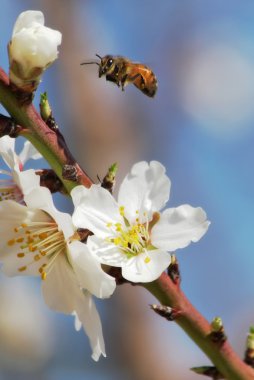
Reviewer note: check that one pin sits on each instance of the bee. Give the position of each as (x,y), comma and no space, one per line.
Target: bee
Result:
(123,71)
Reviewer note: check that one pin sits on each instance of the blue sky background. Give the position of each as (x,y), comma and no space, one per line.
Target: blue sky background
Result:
(200,126)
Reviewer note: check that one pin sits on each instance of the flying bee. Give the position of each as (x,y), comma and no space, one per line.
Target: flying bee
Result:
(122,71)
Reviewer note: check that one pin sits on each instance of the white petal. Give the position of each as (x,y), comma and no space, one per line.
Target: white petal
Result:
(7,151)
(12,215)
(29,152)
(33,45)
(27,19)
(77,323)
(94,209)
(107,253)
(179,226)
(41,198)
(139,270)
(89,272)
(90,319)
(26,180)
(60,287)
(145,189)
(62,293)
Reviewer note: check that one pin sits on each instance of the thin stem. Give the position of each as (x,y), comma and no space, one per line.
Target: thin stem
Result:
(198,328)
(49,143)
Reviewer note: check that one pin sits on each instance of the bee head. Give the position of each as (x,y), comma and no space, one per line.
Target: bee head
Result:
(107,65)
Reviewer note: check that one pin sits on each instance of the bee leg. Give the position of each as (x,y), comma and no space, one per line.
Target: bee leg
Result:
(113,79)
(123,81)
(132,80)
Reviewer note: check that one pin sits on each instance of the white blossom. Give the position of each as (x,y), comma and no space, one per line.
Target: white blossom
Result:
(32,49)
(131,233)
(38,240)
(18,182)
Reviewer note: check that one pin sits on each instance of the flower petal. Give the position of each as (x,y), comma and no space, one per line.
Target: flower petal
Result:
(107,253)
(146,267)
(12,215)
(41,198)
(26,180)
(28,19)
(90,319)
(7,151)
(62,293)
(145,189)
(179,226)
(89,272)
(29,152)
(94,209)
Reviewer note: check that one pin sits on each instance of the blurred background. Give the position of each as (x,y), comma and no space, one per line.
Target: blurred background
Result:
(200,126)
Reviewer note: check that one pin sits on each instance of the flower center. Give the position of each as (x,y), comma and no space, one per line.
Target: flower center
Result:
(38,245)
(132,239)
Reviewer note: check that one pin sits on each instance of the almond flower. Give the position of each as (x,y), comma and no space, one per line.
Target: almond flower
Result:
(131,233)
(38,240)
(32,49)
(19,182)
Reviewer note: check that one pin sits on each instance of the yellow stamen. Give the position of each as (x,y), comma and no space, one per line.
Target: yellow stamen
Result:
(22,269)
(121,210)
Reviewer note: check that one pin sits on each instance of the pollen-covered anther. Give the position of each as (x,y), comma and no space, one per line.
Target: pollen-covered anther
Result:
(37,257)
(32,248)
(22,269)
(42,241)
(11,242)
(132,240)
(121,210)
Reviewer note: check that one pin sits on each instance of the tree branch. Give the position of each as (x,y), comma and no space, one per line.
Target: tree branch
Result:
(48,142)
(199,329)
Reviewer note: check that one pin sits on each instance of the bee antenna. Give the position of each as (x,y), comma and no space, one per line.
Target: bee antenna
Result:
(97,55)
(90,63)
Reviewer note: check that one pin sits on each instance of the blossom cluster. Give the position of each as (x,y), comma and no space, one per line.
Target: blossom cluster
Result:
(134,233)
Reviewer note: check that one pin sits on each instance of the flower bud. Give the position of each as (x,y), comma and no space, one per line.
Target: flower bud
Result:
(32,49)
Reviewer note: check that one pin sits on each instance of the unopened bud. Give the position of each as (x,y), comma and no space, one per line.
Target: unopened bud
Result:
(108,181)
(217,324)
(217,334)
(174,271)
(166,312)
(250,339)
(209,371)
(45,108)
(32,49)
(249,353)
(46,112)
